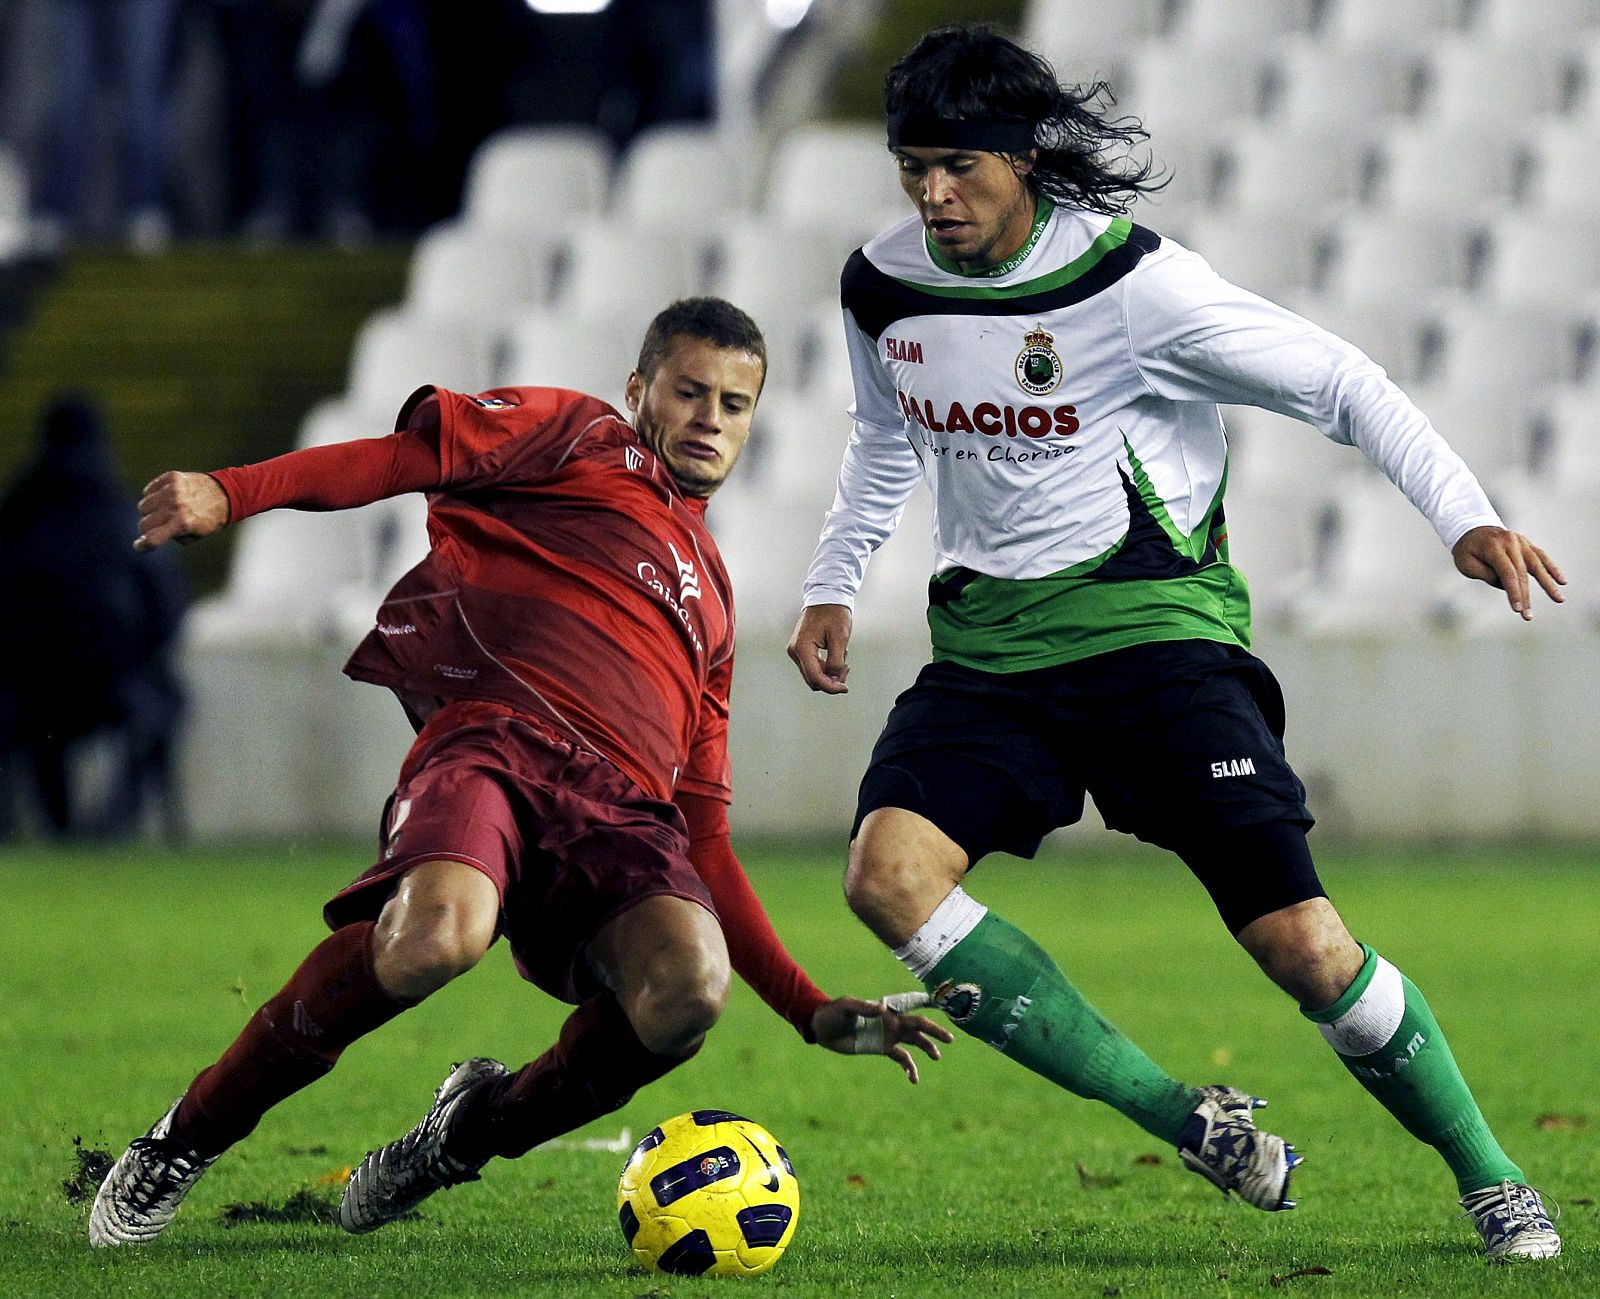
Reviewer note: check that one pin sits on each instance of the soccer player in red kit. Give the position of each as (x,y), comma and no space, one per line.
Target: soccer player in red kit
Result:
(566,651)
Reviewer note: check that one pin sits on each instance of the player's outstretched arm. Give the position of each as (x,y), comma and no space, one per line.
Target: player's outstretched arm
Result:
(852,1026)
(179,506)
(819,647)
(1507,560)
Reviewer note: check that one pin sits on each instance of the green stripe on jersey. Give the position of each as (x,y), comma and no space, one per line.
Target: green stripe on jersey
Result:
(1114,236)
(999,624)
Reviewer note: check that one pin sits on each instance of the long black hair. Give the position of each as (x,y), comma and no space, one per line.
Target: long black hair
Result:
(970,72)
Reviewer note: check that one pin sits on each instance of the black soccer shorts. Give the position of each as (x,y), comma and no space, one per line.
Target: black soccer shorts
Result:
(1178,742)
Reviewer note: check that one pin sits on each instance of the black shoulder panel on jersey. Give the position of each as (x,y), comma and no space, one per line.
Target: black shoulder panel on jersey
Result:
(877,300)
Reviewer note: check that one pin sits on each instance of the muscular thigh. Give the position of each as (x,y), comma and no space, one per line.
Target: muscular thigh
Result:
(566,838)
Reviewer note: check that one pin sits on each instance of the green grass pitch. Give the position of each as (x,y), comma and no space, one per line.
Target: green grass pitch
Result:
(123,972)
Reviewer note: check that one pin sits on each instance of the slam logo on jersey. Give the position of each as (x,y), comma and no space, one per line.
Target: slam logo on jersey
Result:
(1038,365)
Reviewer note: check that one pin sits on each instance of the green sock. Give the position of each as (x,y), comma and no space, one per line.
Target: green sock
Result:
(1388,1038)
(998,985)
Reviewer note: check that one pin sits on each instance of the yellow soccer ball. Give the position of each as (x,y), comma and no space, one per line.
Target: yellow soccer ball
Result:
(711,1193)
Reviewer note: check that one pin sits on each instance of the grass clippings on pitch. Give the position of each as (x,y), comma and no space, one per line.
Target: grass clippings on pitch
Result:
(125,972)
(90,1169)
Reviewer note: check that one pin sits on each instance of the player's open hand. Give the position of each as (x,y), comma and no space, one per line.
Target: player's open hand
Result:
(818,647)
(180,507)
(852,1026)
(1507,560)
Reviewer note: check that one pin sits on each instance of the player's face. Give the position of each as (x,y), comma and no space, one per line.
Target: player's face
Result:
(694,412)
(976,206)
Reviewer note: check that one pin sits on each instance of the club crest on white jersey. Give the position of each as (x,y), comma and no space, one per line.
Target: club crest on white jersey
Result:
(1038,364)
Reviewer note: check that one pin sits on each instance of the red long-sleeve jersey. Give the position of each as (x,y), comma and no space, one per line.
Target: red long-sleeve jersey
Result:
(567,578)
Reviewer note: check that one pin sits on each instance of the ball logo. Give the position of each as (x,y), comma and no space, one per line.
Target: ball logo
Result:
(712,1165)
(1038,364)
(960,1001)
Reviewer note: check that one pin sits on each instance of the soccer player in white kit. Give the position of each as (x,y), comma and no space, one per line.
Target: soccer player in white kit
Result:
(1053,371)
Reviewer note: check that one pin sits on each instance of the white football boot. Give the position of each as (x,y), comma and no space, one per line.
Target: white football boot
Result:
(1512,1221)
(394,1180)
(1221,1142)
(144,1188)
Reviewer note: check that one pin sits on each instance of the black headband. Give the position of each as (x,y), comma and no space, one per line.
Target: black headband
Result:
(986,135)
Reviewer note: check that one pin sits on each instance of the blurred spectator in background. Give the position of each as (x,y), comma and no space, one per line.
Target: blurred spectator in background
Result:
(661,65)
(91,629)
(109,61)
(323,92)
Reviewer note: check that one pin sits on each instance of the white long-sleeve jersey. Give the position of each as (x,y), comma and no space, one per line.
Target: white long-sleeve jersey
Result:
(1064,414)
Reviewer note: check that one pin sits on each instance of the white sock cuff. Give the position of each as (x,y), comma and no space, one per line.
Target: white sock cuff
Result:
(951,921)
(1370,1024)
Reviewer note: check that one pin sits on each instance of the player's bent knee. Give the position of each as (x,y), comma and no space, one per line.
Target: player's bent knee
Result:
(432,957)
(437,925)
(901,868)
(680,1000)
(1306,950)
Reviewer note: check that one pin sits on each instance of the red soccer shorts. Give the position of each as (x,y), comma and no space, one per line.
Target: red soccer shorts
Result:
(566,838)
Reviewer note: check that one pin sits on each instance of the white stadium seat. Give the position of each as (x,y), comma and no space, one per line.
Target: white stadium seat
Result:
(1089,40)
(795,448)
(839,178)
(460,275)
(14,223)
(614,267)
(396,353)
(1470,79)
(1450,169)
(1386,568)
(680,175)
(1491,431)
(1510,349)
(1566,166)
(1259,251)
(1173,86)
(783,277)
(1268,452)
(1551,261)
(1215,24)
(591,354)
(894,596)
(1189,159)
(1276,537)
(1391,332)
(1314,84)
(766,544)
(1571,453)
(1552,21)
(1380,259)
(1306,172)
(286,565)
(1413,23)
(524,180)
(337,419)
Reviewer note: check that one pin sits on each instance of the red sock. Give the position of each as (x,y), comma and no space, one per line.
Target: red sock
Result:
(594,1067)
(330,1001)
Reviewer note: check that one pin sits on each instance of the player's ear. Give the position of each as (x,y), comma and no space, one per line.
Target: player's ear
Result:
(634,392)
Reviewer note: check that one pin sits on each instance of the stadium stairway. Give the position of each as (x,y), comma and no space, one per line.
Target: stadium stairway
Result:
(200,357)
